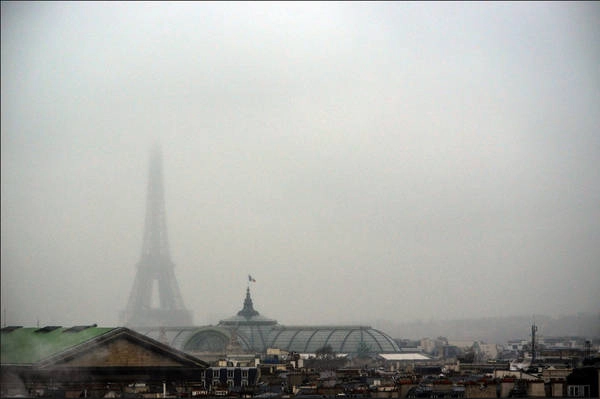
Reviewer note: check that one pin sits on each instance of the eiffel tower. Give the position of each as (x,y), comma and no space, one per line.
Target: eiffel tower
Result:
(155,268)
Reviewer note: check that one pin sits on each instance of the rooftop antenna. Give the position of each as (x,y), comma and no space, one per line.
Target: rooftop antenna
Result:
(533,331)
(588,348)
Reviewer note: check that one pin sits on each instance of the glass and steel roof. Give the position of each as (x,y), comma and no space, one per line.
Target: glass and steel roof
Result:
(256,333)
(341,339)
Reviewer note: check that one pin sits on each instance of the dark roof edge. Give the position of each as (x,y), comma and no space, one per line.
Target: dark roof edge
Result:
(115,333)
(323,327)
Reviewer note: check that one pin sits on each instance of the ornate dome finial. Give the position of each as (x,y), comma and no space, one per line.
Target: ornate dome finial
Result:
(248,310)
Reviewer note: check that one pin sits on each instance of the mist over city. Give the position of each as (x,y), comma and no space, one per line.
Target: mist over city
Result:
(365,163)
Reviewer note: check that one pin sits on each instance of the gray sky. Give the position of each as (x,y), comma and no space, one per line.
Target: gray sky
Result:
(363,161)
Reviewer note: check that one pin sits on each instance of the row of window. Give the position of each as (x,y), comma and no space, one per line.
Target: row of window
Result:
(216,373)
(231,376)
(230,383)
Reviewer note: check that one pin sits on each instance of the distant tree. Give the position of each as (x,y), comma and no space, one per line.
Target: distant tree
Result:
(325,359)
(363,350)
(467,357)
(325,352)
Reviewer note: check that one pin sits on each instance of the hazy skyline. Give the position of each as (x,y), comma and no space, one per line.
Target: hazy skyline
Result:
(362,161)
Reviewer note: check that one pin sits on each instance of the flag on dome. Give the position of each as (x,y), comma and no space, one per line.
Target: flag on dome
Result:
(251,279)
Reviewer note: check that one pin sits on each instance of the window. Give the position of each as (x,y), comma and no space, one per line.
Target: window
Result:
(579,391)
(230,373)
(216,373)
(244,373)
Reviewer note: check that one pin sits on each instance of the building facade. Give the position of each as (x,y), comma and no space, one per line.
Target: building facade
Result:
(89,361)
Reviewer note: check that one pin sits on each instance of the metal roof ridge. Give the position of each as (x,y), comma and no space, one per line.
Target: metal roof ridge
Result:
(325,326)
(76,346)
(113,333)
(162,346)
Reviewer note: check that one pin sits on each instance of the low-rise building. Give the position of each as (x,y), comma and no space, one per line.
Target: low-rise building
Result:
(90,361)
(233,379)
(584,382)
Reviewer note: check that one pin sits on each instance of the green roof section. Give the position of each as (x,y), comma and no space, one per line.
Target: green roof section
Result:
(31,345)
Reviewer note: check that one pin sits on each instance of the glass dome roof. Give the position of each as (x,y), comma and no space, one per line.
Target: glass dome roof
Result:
(341,339)
(256,333)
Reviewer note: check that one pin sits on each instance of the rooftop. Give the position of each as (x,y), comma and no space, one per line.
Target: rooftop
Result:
(404,356)
(31,345)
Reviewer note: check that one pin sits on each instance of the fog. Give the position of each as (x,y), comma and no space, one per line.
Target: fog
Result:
(362,161)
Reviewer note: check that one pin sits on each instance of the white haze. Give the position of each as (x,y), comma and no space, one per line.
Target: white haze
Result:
(363,161)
